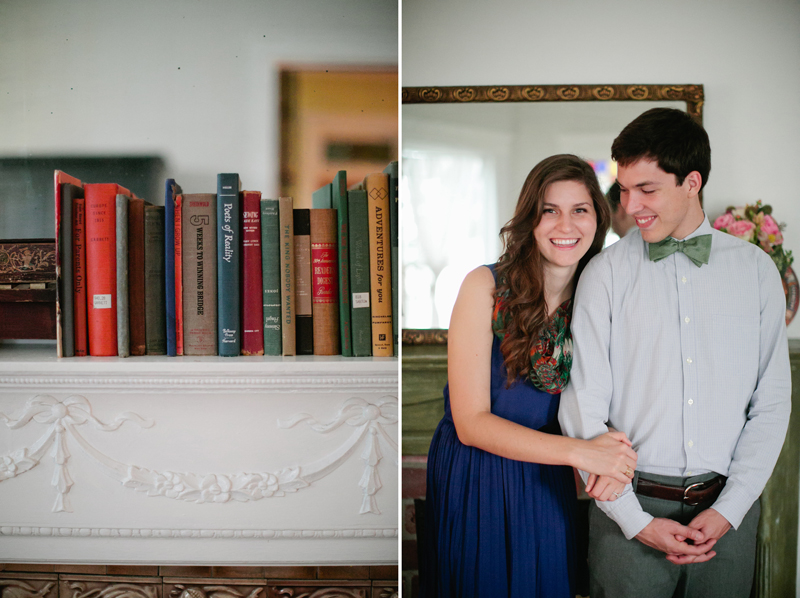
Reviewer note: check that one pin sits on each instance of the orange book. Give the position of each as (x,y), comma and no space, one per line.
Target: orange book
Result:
(178,277)
(380,264)
(79,276)
(101,266)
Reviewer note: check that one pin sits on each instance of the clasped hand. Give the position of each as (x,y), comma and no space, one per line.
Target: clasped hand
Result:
(611,461)
(671,537)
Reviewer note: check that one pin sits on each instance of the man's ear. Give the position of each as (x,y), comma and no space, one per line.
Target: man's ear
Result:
(693,180)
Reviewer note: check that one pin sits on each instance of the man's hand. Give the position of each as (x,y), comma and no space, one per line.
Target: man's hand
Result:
(709,523)
(670,537)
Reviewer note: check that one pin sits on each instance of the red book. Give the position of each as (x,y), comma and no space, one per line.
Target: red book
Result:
(101,266)
(178,277)
(79,276)
(325,281)
(252,289)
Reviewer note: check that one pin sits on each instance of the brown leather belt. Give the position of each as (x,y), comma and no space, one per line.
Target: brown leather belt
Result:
(691,495)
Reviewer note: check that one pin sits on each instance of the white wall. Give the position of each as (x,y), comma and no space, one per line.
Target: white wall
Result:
(745,53)
(194,81)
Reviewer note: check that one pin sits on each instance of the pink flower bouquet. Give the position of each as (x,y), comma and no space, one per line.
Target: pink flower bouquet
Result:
(755,224)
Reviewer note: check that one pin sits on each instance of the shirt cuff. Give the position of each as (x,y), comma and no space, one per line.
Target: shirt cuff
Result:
(733,504)
(627,513)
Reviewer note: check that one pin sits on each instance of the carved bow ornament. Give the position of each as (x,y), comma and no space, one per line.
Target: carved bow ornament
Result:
(63,418)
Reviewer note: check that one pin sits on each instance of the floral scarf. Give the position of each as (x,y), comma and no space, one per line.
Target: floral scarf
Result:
(551,354)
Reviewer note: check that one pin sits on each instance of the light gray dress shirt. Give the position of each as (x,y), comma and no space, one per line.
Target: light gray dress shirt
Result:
(691,363)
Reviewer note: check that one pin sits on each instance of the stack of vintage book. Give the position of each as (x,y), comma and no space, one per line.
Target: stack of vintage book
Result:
(227,273)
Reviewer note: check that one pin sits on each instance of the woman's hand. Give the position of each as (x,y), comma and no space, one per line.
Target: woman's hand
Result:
(610,455)
(604,488)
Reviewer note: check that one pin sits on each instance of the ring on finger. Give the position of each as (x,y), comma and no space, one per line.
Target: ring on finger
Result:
(617,494)
(629,472)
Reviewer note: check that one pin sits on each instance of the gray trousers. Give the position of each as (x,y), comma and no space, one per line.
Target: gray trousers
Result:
(620,568)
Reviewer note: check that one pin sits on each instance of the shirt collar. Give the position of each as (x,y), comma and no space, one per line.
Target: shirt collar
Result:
(704,228)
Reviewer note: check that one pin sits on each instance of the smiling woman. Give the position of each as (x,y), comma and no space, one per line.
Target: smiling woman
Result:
(568,225)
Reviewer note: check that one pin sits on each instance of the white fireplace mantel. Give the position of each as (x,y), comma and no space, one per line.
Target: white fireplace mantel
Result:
(205,460)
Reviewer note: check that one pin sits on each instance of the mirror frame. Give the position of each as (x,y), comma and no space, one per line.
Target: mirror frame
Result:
(691,94)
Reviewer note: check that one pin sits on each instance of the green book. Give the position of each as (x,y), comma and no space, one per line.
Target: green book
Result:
(360,315)
(271,275)
(393,172)
(155,313)
(322,197)
(339,203)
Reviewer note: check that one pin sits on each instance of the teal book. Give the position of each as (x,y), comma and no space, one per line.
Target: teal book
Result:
(339,203)
(172,190)
(392,171)
(271,275)
(322,197)
(229,241)
(360,316)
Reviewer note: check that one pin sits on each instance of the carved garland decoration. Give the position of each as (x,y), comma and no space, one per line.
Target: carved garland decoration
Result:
(63,419)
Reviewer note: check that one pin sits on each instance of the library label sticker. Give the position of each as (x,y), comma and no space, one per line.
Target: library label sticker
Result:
(360,299)
(102,302)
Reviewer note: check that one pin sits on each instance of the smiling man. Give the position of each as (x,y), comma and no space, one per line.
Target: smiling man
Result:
(680,342)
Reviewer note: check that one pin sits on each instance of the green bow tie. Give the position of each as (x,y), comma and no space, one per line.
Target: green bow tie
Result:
(696,249)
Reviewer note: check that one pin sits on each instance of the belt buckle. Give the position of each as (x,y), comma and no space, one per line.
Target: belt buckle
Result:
(686,494)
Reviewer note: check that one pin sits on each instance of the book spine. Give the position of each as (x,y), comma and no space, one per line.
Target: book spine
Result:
(123,334)
(361,320)
(325,281)
(136,275)
(101,275)
(178,276)
(66,273)
(155,281)
(228,249)
(199,240)
(322,198)
(63,237)
(271,275)
(377,187)
(170,191)
(286,214)
(79,278)
(343,241)
(394,233)
(304,327)
(252,283)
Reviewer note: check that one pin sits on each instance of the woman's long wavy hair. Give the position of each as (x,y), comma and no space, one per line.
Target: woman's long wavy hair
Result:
(520,270)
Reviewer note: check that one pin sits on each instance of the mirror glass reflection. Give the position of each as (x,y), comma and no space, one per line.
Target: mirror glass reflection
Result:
(462,168)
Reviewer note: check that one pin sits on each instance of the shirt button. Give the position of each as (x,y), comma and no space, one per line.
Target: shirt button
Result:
(686,320)
(688,473)
(691,444)
(691,401)
(688,360)
(683,280)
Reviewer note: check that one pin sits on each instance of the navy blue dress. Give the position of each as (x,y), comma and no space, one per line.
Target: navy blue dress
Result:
(497,527)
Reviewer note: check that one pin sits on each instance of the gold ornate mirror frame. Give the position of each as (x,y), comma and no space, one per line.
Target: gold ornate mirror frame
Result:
(691,94)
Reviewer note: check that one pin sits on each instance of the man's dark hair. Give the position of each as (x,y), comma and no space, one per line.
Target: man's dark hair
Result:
(612,195)
(670,137)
